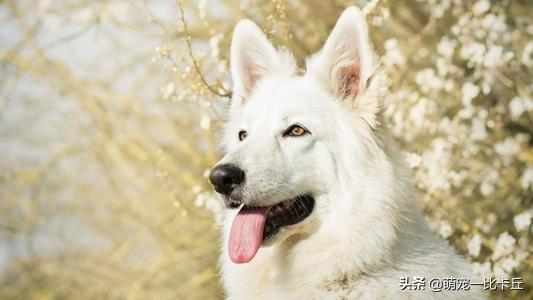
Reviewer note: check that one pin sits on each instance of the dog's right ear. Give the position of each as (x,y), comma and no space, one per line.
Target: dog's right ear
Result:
(347,66)
(252,58)
(346,62)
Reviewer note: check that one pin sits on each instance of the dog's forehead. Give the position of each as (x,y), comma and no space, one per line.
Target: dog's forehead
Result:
(283,96)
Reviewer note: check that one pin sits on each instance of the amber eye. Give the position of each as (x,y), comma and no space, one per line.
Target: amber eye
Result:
(242,135)
(295,130)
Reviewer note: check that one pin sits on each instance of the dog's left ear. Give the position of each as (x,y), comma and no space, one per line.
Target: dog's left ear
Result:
(253,58)
(347,63)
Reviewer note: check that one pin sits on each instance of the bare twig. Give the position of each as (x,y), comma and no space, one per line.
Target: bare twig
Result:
(218,89)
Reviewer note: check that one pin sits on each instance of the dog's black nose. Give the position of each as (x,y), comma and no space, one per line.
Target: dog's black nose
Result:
(225,178)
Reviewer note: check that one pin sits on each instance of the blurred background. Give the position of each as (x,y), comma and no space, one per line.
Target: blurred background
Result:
(109,113)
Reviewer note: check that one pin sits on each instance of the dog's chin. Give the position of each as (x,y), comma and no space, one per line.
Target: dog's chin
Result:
(284,218)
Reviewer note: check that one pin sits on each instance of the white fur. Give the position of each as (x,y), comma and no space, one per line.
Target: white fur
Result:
(366,230)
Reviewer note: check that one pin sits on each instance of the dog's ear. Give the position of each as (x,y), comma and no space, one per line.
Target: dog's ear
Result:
(346,64)
(252,58)
(346,61)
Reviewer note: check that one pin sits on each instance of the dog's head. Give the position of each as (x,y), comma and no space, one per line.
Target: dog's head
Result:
(286,131)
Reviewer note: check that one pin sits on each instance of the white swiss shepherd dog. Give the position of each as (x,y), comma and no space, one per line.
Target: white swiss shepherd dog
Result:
(320,203)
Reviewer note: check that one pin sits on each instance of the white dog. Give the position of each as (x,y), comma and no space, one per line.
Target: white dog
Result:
(326,207)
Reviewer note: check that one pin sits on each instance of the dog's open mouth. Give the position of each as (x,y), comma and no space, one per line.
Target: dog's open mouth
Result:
(255,224)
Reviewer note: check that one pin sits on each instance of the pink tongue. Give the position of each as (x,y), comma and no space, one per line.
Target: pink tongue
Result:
(246,234)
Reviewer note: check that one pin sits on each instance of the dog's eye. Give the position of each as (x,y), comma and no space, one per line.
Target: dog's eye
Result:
(295,130)
(242,135)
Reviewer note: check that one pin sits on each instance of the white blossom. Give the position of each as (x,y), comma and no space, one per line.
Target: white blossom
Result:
(168,90)
(493,56)
(196,189)
(435,162)
(487,185)
(494,23)
(205,122)
(519,105)
(429,81)
(527,54)
(446,47)
(202,9)
(393,56)
(507,149)
(214,45)
(527,178)
(522,221)
(474,246)
(504,246)
(413,160)
(445,230)
(481,7)
(505,266)
(474,53)
(469,92)
(479,131)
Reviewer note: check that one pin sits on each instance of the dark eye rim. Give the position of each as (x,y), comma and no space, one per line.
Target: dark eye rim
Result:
(241,133)
(288,131)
